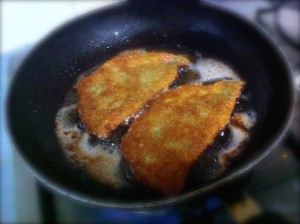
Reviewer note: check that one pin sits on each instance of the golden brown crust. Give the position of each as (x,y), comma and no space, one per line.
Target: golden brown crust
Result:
(122,86)
(164,142)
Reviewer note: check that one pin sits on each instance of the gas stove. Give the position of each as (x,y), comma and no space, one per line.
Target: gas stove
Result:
(269,193)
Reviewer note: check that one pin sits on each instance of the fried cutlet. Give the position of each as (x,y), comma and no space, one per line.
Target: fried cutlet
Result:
(164,142)
(119,88)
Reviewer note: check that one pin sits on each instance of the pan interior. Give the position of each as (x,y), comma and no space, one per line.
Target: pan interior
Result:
(44,78)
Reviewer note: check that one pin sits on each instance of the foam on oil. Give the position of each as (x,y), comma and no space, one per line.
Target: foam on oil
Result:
(101,158)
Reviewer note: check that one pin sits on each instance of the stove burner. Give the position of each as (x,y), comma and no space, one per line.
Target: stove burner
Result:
(287,17)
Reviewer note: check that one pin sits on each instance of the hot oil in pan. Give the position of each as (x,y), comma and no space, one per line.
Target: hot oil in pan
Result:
(102,160)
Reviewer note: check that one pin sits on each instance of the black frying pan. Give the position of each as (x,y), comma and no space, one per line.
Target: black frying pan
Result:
(49,71)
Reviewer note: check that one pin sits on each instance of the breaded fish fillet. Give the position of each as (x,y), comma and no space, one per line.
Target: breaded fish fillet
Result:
(164,142)
(122,86)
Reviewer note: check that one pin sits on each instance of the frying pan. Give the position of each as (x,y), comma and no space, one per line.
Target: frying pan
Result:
(42,81)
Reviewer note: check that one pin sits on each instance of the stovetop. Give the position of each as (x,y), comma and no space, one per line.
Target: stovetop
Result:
(270,193)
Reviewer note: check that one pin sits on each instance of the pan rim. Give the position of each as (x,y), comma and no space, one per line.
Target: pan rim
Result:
(270,146)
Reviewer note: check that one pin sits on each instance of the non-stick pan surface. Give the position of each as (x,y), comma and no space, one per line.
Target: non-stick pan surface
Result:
(49,71)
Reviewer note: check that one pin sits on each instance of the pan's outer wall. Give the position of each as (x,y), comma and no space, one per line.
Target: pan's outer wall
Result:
(47,74)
